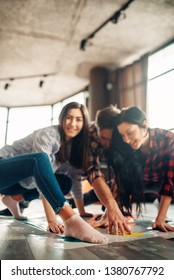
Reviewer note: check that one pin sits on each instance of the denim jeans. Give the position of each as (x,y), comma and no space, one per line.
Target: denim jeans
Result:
(28,195)
(17,168)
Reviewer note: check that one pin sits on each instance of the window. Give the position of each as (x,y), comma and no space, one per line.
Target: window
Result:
(79,97)
(56,112)
(160,90)
(3,122)
(23,121)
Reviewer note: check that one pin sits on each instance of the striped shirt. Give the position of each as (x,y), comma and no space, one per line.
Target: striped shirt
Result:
(45,140)
(159,163)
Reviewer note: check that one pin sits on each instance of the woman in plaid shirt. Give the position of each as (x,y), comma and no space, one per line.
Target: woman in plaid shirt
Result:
(146,154)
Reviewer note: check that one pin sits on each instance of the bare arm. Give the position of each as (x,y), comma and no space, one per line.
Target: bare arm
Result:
(115,216)
(160,219)
(166,189)
(80,205)
(53,224)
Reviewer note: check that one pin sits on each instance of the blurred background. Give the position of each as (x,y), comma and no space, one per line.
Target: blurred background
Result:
(95,52)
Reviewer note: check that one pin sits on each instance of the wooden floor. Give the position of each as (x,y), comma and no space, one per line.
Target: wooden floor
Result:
(29,241)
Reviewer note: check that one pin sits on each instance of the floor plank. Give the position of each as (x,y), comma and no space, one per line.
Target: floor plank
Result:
(28,240)
(156,248)
(15,250)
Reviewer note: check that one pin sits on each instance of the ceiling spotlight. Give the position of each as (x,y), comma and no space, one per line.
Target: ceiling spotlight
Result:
(114,18)
(83,44)
(41,83)
(6,86)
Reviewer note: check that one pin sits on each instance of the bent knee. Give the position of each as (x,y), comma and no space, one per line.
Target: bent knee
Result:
(42,156)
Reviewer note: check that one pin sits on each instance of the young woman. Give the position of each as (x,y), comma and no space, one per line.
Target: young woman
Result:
(65,144)
(143,161)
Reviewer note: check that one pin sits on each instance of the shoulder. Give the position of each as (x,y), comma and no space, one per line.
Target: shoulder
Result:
(161,137)
(163,133)
(50,130)
(50,133)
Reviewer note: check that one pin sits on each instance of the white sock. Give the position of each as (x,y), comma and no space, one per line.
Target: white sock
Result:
(13,206)
(76,227)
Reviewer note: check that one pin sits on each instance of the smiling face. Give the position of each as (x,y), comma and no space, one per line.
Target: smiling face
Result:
(73,123)
(133,135)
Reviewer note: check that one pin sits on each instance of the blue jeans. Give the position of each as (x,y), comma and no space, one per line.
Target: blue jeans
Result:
(17,168)
(28,195)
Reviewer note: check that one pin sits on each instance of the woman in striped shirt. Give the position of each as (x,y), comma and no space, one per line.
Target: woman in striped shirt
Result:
(64,144)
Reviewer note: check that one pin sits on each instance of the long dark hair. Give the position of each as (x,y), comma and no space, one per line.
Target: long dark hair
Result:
(132,115)
(128,164)
(80,143)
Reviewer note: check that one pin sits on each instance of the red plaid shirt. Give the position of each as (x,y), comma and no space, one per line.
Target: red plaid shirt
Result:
(159,164)
(97,160)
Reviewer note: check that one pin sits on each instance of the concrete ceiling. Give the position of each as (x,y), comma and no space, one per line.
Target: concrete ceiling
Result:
(42,37)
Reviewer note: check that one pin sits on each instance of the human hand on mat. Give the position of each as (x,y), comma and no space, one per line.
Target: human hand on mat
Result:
(100,221)
(86,215)
(162,226)
(55,227)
